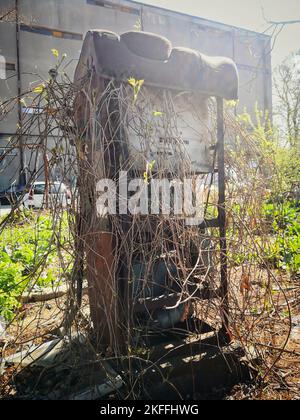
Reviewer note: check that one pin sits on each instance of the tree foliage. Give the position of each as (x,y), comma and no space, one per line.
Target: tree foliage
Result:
(287,87)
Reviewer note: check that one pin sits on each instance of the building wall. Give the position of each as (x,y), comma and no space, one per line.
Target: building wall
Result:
(62,24)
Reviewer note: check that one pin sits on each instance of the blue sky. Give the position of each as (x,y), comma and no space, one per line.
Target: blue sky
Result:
(247,14)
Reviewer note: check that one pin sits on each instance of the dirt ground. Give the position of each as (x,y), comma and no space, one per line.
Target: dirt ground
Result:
(40,322)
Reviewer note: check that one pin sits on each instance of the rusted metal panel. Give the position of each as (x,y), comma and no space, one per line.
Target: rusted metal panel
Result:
(102,286)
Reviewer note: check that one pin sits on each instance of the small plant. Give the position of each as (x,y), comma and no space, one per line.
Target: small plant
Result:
(149,168)
(136,85)
(284,251)
(11,286)
(138,25)
(157,114)
(55,52)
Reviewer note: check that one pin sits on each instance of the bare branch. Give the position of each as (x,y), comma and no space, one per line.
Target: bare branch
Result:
(11,16)
(283,22)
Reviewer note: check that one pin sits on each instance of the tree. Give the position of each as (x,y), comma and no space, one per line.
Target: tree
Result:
(12,15)
(278,23)
(8,15)
(275,27)
(287,86)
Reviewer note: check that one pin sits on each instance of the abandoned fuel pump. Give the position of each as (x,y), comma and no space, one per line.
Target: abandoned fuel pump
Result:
(151,159)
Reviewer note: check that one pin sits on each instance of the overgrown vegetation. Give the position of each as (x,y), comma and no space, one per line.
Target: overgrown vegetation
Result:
(273,214)
(28,258)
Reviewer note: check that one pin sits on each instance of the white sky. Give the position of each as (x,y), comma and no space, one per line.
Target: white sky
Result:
(247,14)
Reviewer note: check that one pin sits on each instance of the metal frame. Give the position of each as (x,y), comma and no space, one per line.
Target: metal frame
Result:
(222,216)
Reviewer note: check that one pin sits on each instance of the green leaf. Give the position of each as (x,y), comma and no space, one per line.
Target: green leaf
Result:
(39,89)
(55,52)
